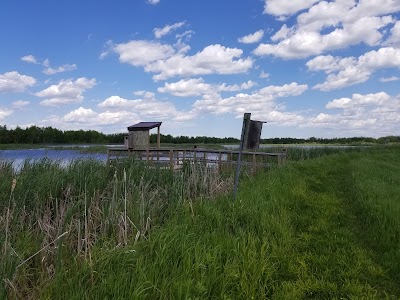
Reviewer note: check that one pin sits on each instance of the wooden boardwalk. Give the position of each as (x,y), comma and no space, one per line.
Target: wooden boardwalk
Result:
(175,158)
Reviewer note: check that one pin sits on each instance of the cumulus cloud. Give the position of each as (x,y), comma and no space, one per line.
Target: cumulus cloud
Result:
(213,59)
(284,8)
(371,114)
(66,91)
(153,2)
(394,39)
(142,53)
(329,26)
(29,59)
(88,116)
(166,61)
(145,108)
(359,100)
(160,32)
(348,71)
(252,38)
(262,104)
(13,82)
(197,87)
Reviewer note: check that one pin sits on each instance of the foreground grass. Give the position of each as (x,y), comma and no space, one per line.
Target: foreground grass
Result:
(321,229)
(327,228)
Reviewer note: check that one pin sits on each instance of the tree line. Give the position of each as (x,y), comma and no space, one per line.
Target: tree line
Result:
(49,135)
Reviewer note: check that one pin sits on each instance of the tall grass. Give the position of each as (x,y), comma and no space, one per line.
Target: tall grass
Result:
(51,213)
(293,233)
(296,153)
(325,228)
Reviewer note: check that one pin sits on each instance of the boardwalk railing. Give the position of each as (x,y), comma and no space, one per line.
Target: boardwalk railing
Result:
(175,158)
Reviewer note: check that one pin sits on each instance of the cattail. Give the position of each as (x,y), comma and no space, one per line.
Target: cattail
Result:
(14,183)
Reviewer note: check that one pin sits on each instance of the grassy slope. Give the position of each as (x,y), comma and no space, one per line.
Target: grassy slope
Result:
(321,229)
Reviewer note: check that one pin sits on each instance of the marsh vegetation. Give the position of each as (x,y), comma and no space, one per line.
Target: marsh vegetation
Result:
(321,228)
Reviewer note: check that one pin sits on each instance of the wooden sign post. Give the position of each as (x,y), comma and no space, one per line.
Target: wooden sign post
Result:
(245,126)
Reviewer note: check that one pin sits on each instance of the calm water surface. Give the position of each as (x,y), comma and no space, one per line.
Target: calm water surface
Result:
(63,156)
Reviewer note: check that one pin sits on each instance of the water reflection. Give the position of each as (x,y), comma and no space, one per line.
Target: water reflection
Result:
(63,157)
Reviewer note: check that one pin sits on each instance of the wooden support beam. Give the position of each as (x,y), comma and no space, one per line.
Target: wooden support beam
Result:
(171,160)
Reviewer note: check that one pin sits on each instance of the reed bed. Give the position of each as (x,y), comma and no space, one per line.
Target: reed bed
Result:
(51,213)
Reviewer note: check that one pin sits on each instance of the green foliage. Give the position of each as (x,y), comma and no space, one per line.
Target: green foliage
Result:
(324,228)
(49,135)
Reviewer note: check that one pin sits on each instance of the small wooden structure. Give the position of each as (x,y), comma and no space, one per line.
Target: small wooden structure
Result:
(137,144)
(138,137)
(175,158)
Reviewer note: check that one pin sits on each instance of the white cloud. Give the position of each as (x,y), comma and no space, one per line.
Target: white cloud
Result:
(46,63)
(145,94)
(394,39)
(264,75)
(197,87)
(29,59)
(348,71)
(160,32)
(262,104)
(61,69)
(252,38)
(166,62)
(329,26)
(369,115)
(283,8)
(359,100)
(13,82)
(153,2)
(20,103)
(142,53)
(187,34)
(389,79)
(213,59)
(66,91)
(80,115)
(89,117)
(5,113)
(145,108)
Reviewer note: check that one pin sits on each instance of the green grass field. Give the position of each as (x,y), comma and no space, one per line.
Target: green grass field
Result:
(321,228)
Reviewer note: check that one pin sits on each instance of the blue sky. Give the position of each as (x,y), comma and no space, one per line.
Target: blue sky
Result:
(307,67)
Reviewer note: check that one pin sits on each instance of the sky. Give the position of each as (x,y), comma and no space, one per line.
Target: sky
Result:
(308,68)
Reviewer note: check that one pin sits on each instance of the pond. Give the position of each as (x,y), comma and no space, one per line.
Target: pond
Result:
(63,156)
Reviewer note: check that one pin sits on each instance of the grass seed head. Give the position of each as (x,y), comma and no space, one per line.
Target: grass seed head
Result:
(14,183)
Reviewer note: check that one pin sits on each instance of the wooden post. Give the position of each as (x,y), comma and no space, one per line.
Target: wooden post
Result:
(254,163)
(171,160)
(284,155)
(158,143)
(158,137)
(246,120)
(219,162)
(177,156)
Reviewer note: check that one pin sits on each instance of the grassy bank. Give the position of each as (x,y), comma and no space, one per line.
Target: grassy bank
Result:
(326,228)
